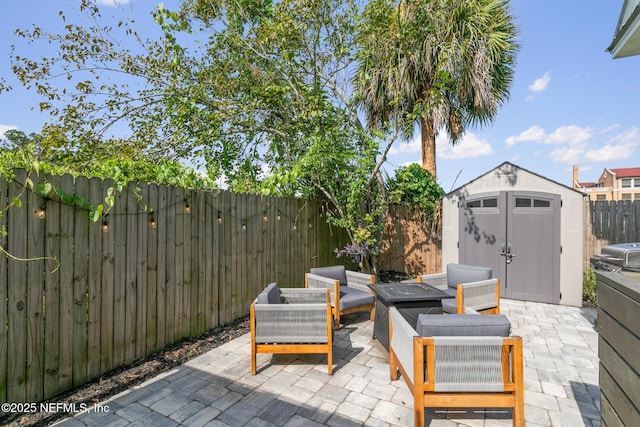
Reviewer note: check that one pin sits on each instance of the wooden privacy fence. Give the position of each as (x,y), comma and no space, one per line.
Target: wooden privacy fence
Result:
(97,295)
(407,244)
(610,222)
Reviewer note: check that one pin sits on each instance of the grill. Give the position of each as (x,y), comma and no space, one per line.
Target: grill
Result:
(622,256)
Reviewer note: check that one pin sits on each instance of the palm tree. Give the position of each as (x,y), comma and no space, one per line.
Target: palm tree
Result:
(446,64)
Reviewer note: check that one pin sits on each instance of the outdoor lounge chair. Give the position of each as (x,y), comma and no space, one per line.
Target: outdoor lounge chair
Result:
(471,285)
(349,290)
(291,321)
(458,361)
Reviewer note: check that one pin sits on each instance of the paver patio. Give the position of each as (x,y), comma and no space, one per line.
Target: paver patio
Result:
(217,388)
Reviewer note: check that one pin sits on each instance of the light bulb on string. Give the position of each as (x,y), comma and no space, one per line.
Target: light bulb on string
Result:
(152,221)
(219,217)
(42,212)
(265,218)
(105,225)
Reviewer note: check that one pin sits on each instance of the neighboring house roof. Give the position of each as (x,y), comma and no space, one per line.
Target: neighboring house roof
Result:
(626,172)
(626,39)
(586,184)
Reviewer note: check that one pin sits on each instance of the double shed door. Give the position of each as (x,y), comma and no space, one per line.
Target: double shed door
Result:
(517,234)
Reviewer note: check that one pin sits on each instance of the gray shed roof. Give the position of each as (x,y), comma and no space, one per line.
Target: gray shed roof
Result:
(509,164)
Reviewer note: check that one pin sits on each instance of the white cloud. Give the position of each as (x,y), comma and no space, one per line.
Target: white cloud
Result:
(540,84)
(533,134)
(569,135)
(619,147)
(113,2)
(413,146)
(610,153)
(470,146)
(567,155)
(4,128)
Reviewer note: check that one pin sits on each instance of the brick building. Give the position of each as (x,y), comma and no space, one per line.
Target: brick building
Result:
(614,184)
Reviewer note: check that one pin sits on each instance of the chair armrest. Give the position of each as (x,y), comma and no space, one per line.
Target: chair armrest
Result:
(319,282)
(479,295)
(360,281)
(357,278)
(401,340)
(292,323)
(437,280)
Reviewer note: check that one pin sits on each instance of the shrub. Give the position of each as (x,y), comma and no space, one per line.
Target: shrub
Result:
(415,187)
(589,294)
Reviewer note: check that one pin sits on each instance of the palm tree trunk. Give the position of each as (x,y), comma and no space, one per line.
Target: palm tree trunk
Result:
(428,145)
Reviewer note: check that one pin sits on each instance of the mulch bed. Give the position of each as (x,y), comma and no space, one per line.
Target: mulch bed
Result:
(121,379)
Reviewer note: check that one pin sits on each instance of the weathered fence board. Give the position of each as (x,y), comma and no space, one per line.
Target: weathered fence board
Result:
(80,241)
(52,297)
(94,283)
(66,257)
(17,296)
(35,339)
(4,293)
(152,284)
(107,288)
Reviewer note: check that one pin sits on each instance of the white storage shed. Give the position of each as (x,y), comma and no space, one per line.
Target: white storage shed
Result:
(528,228)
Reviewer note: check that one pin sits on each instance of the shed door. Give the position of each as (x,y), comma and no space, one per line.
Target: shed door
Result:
(517,234)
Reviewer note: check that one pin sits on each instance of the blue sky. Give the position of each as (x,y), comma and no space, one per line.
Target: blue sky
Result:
(571,103)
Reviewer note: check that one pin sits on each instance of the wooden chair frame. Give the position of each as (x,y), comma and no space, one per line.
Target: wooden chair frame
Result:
(422,386)
(292,348)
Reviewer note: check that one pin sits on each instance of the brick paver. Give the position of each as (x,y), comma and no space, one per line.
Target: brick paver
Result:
(217,388)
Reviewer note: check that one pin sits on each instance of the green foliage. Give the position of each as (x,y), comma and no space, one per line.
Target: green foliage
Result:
(589,294)
(266,98)
(416,187)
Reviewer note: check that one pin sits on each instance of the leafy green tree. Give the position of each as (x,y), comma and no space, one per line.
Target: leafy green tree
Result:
(415,187)
(265,98)
(406,46)
(279,83)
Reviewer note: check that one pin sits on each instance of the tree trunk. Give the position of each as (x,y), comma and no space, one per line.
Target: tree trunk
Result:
(428,145)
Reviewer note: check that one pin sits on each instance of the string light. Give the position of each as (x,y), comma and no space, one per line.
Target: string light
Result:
(42,212)
(105,226)
(152,222)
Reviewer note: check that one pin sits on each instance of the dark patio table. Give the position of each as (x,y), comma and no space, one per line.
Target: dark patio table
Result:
(411,299)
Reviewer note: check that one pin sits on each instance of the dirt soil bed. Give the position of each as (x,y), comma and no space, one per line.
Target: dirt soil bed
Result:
(126,377)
